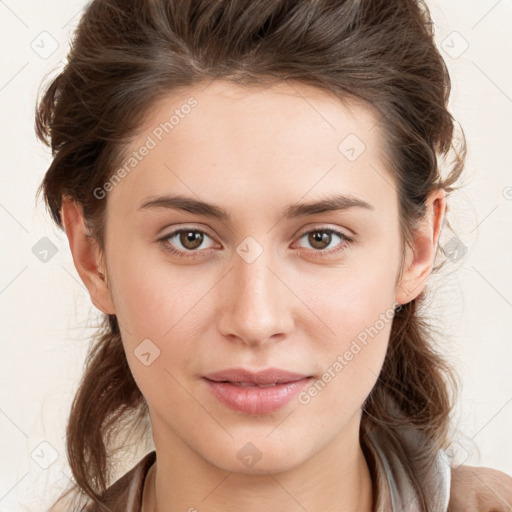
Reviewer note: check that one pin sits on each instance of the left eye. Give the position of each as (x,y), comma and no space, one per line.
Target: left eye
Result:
(321,239)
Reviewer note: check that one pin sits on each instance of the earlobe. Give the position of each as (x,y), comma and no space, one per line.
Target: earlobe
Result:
(420,258)
(86,255)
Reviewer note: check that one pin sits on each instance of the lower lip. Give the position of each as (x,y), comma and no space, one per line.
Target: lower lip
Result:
(255,400)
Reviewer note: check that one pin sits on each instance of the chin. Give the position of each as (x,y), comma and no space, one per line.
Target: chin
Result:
(262,467)
(257,458)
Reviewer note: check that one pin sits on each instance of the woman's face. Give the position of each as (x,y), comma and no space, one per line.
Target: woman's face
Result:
(265,285)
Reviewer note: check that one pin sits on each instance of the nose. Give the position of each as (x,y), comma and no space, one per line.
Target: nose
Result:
(256,303)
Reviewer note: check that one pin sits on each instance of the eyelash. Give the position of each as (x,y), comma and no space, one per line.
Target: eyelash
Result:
(322,253)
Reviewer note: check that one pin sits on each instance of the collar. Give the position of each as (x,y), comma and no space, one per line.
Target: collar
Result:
(392,486)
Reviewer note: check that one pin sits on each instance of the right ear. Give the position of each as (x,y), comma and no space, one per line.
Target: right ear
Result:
(87,256)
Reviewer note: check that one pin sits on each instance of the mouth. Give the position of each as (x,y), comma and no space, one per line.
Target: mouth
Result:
(255,392)
(262,378)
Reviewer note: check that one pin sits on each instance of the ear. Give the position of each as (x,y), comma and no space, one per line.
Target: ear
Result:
(419,260)
(87,256)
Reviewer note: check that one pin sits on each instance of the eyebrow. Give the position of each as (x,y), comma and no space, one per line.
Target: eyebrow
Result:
(191,205)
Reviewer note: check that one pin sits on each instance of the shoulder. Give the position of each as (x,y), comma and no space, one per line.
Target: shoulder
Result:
(480,489)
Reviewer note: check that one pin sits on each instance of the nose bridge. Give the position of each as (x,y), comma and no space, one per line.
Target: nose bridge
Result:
(256,305)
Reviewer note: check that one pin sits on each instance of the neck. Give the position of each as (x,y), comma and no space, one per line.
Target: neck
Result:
(336,478)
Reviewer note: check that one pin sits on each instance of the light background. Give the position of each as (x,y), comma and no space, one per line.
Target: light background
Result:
(46,312)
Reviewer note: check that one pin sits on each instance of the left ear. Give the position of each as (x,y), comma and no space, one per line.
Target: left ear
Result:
(419,260)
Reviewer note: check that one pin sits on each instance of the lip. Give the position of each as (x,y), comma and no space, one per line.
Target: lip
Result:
(266,376)
(254,399)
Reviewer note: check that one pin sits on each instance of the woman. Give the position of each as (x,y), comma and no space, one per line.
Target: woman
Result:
(253,196)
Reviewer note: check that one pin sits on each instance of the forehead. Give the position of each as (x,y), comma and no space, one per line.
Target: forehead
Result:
(255,142)
(286,112)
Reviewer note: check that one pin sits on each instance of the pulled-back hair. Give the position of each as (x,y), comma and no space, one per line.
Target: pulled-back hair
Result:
(127,54)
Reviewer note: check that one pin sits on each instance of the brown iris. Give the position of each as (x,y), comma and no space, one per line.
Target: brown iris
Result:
(194,238)
(319,239)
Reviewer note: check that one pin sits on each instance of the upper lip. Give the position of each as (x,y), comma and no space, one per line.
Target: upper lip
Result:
(266,376)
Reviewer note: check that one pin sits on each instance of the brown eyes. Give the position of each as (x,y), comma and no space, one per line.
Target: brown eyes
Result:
(191,240)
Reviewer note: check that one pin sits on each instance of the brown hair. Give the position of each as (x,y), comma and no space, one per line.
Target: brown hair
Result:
(125,55)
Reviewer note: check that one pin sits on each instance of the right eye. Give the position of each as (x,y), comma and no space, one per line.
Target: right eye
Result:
(189,238)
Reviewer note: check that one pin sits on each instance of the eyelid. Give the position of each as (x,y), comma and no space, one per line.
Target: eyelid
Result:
(197,227)
(325,227)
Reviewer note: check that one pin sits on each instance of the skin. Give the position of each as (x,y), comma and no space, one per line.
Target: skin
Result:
(254,151)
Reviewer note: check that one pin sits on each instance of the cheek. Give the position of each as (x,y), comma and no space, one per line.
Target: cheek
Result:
(152,297)
(353,356)
(352,298)
(356,309)
(155,305)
